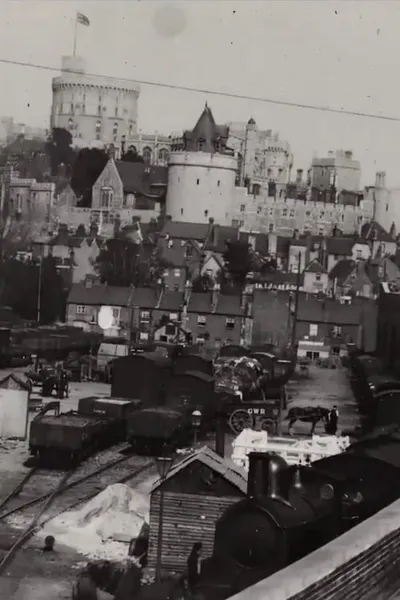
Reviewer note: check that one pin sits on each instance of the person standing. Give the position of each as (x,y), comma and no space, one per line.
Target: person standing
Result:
(333,420)
(194,566)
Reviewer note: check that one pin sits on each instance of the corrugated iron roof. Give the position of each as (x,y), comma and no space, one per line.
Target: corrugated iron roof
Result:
(224,466)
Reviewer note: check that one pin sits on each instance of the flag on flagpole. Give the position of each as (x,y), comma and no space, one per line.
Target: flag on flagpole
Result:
(82,19)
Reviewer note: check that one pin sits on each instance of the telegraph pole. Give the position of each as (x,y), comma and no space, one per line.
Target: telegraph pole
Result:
(39,296)
(296,302)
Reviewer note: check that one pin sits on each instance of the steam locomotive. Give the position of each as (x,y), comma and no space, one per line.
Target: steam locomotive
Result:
(291,511)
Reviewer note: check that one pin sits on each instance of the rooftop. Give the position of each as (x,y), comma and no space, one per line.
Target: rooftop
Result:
(145,180)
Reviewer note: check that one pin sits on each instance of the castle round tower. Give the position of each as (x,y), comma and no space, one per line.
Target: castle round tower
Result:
(200,186)
(93,108)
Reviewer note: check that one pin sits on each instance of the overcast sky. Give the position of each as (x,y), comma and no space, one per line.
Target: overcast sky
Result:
(338,54)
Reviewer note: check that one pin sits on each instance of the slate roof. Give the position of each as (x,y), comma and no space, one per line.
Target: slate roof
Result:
(171,301)
(280,278)
(224,466)
(141,179)
(342,270)
(144,297)
(186,231)
(328,311)
(340,246)
(217,237)
(315,267)
(227,305)
(375,231)
(98,295)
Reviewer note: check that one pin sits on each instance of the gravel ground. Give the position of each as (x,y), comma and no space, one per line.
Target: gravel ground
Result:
(34,575)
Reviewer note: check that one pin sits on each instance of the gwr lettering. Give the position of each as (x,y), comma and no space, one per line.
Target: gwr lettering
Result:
(256,411)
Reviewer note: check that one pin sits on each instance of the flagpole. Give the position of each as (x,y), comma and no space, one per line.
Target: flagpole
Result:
(75,32)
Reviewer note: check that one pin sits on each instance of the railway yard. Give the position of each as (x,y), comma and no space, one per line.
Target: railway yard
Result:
(44,497)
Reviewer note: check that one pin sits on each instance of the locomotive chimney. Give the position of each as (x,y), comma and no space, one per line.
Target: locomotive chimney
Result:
(297,482)
(255,481)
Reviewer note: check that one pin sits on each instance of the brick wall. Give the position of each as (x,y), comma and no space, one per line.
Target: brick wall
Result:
(362,564)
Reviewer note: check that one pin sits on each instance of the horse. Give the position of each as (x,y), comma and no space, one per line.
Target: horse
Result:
(307,414)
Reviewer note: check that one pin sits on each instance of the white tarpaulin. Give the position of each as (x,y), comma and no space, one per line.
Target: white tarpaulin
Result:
(13,413)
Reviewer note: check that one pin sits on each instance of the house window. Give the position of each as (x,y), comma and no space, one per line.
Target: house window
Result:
(337,330)
(145,316)
(200,340)
(170,243)
(80,309)
(313,329)
(229,323)
(284,212)
(169,330)
(201,321)
(177,272)
(173,316)
(106,197)
(318,277)
(197,181)
(188,251)
(143,336)
(242,207)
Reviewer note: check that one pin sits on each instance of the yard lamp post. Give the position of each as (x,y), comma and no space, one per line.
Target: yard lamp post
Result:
(196,422)
(164,464)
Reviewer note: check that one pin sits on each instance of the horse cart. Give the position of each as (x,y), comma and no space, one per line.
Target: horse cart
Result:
(51,379)
(247,396)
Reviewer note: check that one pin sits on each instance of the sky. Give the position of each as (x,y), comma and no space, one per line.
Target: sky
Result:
(333,54)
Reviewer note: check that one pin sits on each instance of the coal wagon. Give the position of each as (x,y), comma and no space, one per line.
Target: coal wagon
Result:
(75,435)
(171,423)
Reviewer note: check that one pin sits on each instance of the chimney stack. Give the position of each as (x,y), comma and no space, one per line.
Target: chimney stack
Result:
(214,296)
(299,176)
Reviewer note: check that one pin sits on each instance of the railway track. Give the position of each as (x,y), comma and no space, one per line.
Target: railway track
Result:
(66,490)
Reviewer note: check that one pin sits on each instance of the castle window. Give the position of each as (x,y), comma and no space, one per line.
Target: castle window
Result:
(271,227)
(70,124)
(218,183)
(116,111)
(206,213)
(130,129)
(147,153)
(163,155)
(200,145)
(242,207)
(292,213)
(181,211)
(284,212)
(99,110)
(198,181)
(72,108)
(115,128)
(106,197)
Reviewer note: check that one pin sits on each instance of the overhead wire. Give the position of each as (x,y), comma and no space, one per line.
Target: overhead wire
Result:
(221,93)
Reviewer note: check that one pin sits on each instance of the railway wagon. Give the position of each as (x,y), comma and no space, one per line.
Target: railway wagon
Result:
(144,376)
(99,423)
(292,511)
(383,402)
(362,367)
(171,423)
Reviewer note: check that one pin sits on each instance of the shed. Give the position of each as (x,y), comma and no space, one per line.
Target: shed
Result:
(14,399)
(13,382)
(142,376)
(197,491)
